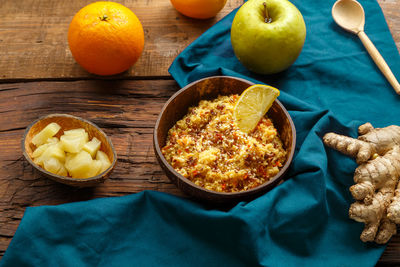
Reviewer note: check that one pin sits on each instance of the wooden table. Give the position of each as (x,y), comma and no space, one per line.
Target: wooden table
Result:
(38,76)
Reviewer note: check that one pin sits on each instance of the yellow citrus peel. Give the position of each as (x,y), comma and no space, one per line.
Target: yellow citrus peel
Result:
(253,104)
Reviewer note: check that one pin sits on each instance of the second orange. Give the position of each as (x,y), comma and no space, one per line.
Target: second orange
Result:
(106,38)
(199,9)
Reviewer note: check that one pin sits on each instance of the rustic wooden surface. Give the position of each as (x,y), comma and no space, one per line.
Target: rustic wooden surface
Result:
(38,76)
(33,37)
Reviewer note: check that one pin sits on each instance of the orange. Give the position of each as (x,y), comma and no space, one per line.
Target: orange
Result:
(199,9)
(105,38)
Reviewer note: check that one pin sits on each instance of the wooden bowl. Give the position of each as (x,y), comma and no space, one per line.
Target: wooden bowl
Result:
(209,88)
(68,122)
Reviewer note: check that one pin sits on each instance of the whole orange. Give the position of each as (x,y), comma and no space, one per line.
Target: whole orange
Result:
(199,9)
(105,38)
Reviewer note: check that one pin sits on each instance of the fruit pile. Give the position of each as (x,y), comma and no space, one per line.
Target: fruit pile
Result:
(107,38)
(70,155)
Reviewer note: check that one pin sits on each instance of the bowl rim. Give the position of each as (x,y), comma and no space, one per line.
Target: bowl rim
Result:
(276,178)
(67,178)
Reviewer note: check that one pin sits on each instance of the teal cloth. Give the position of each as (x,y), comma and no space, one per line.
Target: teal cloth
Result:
(333,86)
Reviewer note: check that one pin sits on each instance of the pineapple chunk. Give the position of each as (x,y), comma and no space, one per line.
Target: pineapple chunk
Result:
(54,151)
(53,140)
(74,159)
(71,155)
(73,143)
(81,165)
(92,146)
(39,151)
(38,161)
(42,148)
(50,151)
(105,161)
(96,167)
(62,171)
(48,132)
(52,165)
(79,131)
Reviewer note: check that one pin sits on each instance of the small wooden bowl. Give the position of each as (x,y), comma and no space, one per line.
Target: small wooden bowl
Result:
(210,88)
(68,122)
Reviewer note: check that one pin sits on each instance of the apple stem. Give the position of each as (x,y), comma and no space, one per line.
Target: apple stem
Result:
(267,19)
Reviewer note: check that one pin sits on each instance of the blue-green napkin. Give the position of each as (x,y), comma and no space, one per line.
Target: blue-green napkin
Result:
(333,86)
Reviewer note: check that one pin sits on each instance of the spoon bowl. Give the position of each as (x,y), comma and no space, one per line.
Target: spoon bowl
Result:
(349,15)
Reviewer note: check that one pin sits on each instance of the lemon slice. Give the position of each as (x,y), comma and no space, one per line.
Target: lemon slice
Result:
(252,105)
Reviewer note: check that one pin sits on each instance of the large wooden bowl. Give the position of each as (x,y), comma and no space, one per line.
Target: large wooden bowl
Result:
(68,122)
(209,88)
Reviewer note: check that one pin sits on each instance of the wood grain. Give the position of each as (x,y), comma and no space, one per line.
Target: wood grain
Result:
(33,37)
(391,10)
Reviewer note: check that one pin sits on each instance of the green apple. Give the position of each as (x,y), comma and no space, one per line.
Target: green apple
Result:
(267,35)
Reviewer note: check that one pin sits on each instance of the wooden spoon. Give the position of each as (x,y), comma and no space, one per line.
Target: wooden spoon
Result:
(349,14)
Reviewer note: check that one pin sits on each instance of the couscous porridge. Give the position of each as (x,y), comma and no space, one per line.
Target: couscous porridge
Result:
(208,148)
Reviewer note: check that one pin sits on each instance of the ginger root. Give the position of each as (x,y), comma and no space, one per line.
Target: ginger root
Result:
(377,151)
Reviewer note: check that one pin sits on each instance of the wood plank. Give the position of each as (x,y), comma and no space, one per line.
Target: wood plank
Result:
(391,10)
(33,40)
(126,110)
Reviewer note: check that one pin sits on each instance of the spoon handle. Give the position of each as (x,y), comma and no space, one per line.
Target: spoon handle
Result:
(379,61)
